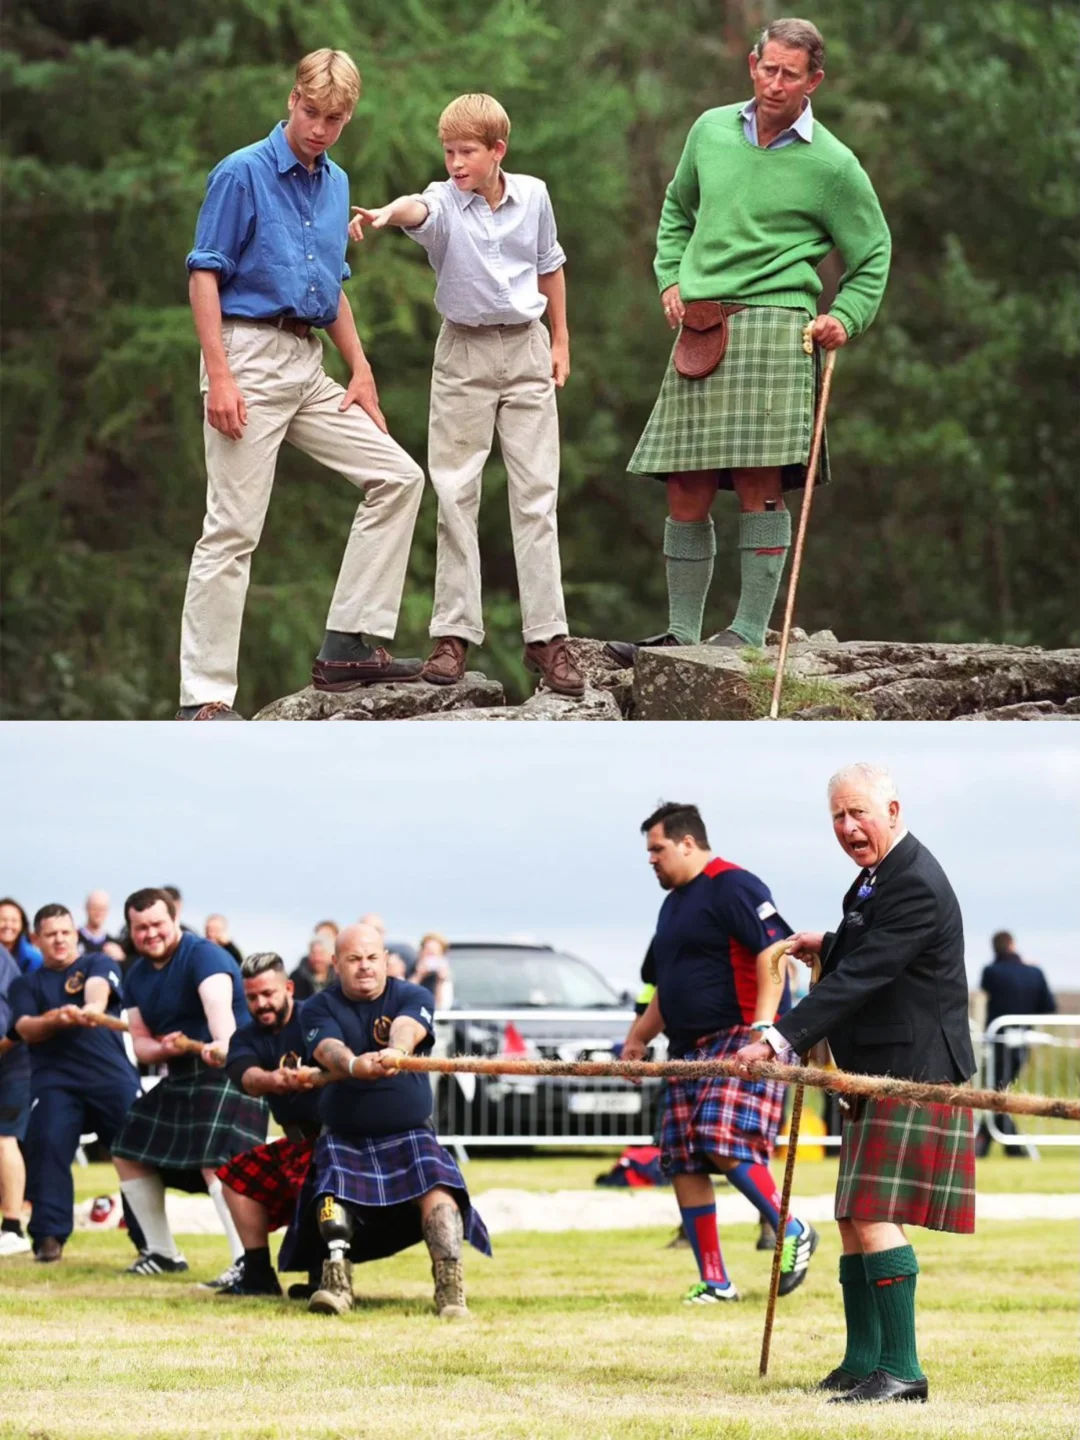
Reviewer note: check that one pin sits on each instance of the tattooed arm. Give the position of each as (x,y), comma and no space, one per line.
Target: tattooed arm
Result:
(335,1057)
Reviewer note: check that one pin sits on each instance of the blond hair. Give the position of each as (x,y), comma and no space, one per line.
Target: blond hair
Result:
(440,940)
(474,117)
(329,78)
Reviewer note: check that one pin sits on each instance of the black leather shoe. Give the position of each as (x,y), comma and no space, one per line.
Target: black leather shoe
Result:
(728,640)
(382,669)
(880,1386)
(625,651)
(48,1250)
(839,1379)
(245,1284)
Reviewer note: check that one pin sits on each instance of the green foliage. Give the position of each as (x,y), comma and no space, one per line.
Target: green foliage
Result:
(954,513)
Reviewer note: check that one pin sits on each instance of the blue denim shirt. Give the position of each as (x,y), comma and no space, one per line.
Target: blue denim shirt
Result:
(275,233)
(803,128)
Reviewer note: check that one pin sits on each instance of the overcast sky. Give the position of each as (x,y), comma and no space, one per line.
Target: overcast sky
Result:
(530,831)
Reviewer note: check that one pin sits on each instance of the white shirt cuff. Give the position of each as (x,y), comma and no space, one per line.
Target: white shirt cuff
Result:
(784,1053)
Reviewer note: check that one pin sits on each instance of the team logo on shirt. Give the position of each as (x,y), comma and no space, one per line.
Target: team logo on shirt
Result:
(311,1035)
(74,983)
(381,1030)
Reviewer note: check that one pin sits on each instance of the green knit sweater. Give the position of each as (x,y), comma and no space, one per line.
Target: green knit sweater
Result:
(745,224)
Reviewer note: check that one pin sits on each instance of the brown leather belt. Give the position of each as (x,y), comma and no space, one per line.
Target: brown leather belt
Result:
(300,328)
(703,338)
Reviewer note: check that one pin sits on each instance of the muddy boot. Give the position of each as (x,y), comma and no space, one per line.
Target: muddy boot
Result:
(449,1289)
(334,1296)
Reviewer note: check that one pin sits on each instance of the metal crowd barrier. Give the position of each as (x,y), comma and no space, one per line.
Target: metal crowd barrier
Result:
(1036,1054)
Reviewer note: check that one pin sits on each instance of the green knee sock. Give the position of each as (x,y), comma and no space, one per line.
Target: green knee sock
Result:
(764,538)
(689,547)
(890,1277)
(863,1326)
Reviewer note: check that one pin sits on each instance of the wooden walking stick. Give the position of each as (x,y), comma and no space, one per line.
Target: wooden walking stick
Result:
(800,537)
(780,952)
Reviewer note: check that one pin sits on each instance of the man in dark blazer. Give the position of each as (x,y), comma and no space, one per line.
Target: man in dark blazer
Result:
(892,1000)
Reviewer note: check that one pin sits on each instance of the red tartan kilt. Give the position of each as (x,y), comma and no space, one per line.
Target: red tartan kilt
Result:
(908,1164)
(273,1175)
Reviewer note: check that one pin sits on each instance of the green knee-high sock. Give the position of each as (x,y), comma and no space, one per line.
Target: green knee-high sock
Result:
(764,538)
(863,1326)
(890,1277)
(689,547)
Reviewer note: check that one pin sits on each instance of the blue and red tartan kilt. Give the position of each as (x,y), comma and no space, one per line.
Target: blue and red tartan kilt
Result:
(271,1174)
(731,1117)
(908,1164)
(379,1179)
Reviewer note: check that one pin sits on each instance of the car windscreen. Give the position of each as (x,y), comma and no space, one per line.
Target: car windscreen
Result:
(506,979)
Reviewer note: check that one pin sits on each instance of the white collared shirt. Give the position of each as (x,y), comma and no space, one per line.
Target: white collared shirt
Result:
(801,129)
(487,261)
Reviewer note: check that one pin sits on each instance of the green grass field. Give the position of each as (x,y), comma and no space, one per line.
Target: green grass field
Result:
(573,1335)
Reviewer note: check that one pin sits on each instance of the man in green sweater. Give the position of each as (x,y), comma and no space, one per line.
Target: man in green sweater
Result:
(761,195)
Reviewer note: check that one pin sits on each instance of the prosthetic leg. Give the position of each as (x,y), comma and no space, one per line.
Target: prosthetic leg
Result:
(334,1296)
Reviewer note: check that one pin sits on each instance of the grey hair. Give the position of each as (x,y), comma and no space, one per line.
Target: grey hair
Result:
(260,963)
(797,35)
(875,777)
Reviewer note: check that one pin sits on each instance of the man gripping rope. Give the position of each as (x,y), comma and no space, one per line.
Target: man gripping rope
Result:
(892,1000)
(380,1181)
(713,990)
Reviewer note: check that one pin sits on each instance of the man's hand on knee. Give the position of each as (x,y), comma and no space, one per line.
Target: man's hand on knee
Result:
(362,392)
(226,409)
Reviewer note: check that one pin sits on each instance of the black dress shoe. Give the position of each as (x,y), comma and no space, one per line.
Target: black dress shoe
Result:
(839,1379)
(728,640)
(245,1284)
(880,1386)
(625,651)
(381,669)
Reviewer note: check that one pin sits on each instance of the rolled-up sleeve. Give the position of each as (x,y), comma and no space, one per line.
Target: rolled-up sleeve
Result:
(550,256)
(431,233)
(225,226)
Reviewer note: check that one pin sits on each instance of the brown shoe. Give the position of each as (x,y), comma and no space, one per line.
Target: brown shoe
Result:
(49,1250)
(215,710)
(552,661)
(446,663)
(381,669)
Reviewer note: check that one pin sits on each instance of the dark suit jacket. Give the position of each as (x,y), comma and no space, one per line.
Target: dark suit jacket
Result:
(893,993)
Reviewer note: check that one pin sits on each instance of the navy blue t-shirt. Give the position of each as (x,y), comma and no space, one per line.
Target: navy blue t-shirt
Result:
(70,1056)
(168,999)
(254,1044)
(16,1063)
(371,1107)
(708,937)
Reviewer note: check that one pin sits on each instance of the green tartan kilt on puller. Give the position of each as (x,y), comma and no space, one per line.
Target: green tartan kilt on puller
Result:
(755,410)
(907,1164)
(194,1119)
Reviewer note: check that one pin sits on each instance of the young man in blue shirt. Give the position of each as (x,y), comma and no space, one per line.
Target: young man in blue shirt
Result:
(714,992)
(379,1181)
(80,1076)
(194,1119)
(490,237)
(266,273)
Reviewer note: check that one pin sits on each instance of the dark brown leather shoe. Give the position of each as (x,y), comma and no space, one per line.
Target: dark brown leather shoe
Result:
(49,1250)
(215,710)
(552,661)
(625,651)
(382,669)
(446,663)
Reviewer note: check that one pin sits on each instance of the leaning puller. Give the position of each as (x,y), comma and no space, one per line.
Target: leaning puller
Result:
(379,1181)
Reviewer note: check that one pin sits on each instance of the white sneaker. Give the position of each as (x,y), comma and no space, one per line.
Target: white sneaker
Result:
(12,1244)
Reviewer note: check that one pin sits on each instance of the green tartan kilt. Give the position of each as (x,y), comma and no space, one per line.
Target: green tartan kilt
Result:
(193,1119)
(756,409)
(908,1164)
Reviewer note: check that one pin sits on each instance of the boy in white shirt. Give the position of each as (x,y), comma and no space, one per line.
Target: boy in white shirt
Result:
(491,240)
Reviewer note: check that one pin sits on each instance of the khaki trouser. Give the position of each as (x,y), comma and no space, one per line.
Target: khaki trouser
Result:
(290,397)
(486,379)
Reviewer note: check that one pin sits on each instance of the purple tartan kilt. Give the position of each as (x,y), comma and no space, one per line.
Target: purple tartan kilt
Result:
(739,1118)
(377,1179)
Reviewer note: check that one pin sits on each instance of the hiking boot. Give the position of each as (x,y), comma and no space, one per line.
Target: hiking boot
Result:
(625,651)
(48,1250)
(795,1260)
(446,663)
(335,676)
(552,661)
(150,1263)
(334,1295)
(703,1294)
(449,1289)
(214,710)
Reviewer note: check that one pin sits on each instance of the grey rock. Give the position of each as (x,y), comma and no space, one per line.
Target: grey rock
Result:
(691,682)
(403,701)
(593,705)
(1033,710)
